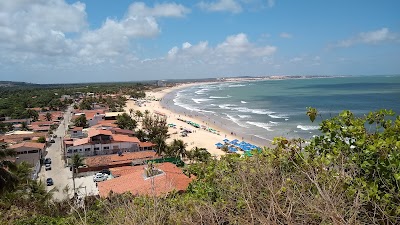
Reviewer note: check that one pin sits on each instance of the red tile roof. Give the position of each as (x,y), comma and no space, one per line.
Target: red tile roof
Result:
(124,138)
(94,132)
(28,144)
(108,160)
(81,141)
(146,144)
(77,129)
(134,181)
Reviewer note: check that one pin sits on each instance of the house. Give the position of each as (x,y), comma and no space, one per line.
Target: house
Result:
(19,136)
(30,152)
(76,132)
(165,178)
(97,163)
(101,142)
(18,121)
(161,83)
(112,115)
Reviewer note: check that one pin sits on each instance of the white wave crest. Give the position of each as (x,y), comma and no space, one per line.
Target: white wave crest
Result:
(243,102)
(228,96)
(200,100)
(233,119)
(266,126)
(254,111)
(237,85)
(305,127)
(226,106)
(244,116)
(278,116)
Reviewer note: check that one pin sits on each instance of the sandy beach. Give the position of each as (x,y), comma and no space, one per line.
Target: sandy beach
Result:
(199,137)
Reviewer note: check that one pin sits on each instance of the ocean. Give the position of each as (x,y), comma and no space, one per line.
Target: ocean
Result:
(261,110)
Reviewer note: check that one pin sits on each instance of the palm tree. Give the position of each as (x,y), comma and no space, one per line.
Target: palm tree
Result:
(48,116)
(138,114)
(161,146)
(131,112)
(141,135)
(77,161)
(8,180)
(179,148)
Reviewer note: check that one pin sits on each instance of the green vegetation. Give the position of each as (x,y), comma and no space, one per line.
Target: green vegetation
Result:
(81,121)
(349,174)
(41,139)
(124,121)
(17,98)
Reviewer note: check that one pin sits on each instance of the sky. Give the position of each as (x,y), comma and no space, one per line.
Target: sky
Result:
(68,41)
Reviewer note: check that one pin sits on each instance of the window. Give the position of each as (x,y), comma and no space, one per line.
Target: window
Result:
(96,149)
(87,149)
(75,150)
(33,151)
(69,151)
(80,150)
(75,132)
(106,148)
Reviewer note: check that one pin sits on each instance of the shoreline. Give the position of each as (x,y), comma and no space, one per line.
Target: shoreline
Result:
(199,137)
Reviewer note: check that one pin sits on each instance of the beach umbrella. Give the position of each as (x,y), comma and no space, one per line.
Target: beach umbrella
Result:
(219,143)
(225,140)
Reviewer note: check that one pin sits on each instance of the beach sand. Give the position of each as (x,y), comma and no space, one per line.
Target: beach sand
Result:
(199,137)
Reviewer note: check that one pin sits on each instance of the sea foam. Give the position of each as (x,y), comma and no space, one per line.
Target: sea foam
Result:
(305,127)
(233,119)
(228,96)
(266,126)
(200,100)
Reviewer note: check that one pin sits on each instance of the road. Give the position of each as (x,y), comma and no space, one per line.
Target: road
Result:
(60,173)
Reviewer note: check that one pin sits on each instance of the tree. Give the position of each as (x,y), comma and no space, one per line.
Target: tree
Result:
(24,126)
(32,114)
(41,139)
(198,154)
(161,145)
(48,116)
(8,180)
(124,121)
(141,135)
(81,121)
(155,127)
(178,148)
(138,114)
(77,161)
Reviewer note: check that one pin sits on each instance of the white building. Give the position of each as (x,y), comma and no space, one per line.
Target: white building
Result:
(101,142)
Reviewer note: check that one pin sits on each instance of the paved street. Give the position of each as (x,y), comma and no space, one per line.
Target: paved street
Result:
(60,173)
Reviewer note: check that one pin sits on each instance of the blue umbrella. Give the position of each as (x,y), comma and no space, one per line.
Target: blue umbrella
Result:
(226,140)
(219,143)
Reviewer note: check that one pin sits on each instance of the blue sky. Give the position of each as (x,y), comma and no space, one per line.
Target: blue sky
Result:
(64,41)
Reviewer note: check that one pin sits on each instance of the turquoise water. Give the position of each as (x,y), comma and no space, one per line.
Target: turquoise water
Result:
(262,110)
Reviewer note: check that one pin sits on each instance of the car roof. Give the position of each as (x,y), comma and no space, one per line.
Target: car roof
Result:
(49,178)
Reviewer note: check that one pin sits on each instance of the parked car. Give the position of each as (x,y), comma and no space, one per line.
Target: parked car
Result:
(100,177)
(52,141)
(47,161)
(47,167)
(49,181)
(54,135)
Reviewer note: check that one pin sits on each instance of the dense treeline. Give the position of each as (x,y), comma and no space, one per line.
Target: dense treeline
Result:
(350,174)
(15,98)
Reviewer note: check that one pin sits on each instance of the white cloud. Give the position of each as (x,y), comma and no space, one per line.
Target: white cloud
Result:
(35,30)
(221,5)
(159,10)
(271,3)
(285,35)
(296,59)
(233,49)
(370,37)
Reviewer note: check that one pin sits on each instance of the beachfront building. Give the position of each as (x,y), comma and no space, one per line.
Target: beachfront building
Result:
(103,142)
(76,132)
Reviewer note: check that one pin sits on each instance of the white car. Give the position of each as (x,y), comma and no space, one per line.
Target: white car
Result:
(47,167)
(100,177)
